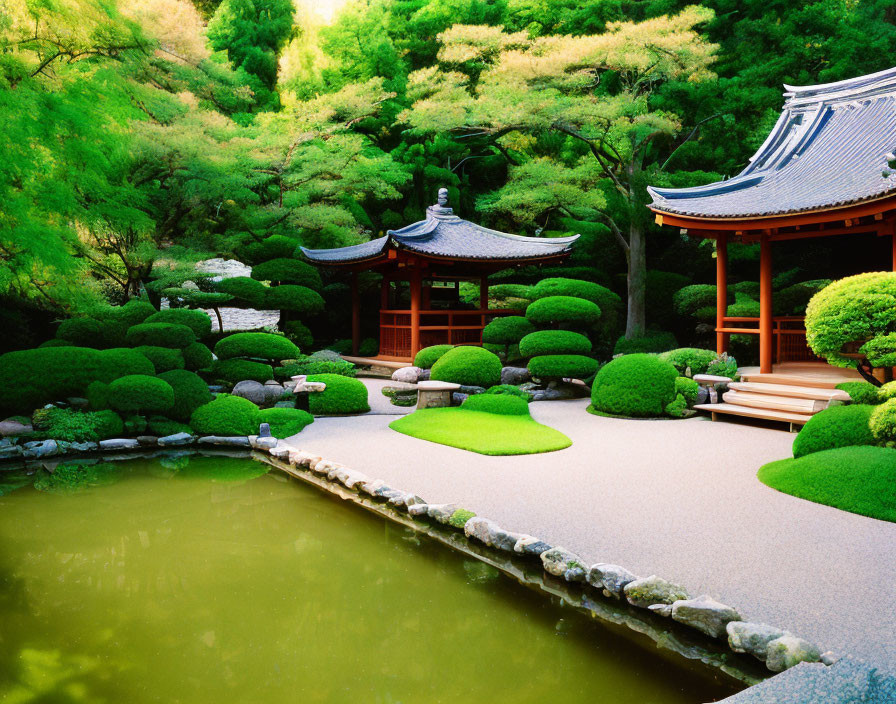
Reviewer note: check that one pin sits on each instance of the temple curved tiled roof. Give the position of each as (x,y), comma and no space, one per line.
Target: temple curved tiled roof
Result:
(830,148)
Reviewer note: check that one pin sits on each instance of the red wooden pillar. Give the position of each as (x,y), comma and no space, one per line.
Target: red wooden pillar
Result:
(722,338)
(416,286)
(356,314)
(765,306)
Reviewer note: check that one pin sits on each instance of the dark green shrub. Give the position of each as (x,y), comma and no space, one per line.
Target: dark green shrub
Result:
(123,317)
(562,366)
(226,415)
(78,426)
(298,334)
(554,342)
(84,332)
(470,366)
(308,365)
(257,345)
(689,360)
(510,390)
(661,289)
(883,422)
(163,358)
(502,404)
(32,378)
(837,426)
(161,426)
(273,247)
(794,299)
(862,392)
(564,311)
(190,392)
(138,393)
(234,371)
(610,304)
(369,347)
(290,271)
(688,388)
(744,306)
(654,341)
(135,425)
(285,422)
(342,395)
(244,290)
(697,300)
(197,356)
(505,291)
(160,335)
(428,356)
(300,300)
(97,395)
(507,330)
(197,320)
(56,343)
(636,385)
(108,424)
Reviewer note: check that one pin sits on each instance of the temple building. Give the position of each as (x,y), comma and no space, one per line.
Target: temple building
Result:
(433,256)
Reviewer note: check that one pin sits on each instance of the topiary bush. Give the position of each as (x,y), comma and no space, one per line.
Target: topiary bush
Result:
(470,366)
(298,334)
(554,342)
(428,356)
(309,365)
(502,404)
(257,345)
(285,422)
(197,356)
(563,311)
(123,317)
(510,390)
(244,290)
(83,332)
(697,300)
(636,385)
(234,371)
(342,395)
(197,320)
(273,247)
(654,341)
(160,335)
(97,395)
(226,415)
(572,287)
(887,391)
(562,366)
(689,360)
(163,358)
(139,393)
(862,392)
(883,422)
(190,392)
(300,300)
(507,330)
(881,350)
(290,271)
(837,426)
(793,300)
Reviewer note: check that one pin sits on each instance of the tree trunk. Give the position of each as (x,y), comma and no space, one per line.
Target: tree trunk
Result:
(636,320)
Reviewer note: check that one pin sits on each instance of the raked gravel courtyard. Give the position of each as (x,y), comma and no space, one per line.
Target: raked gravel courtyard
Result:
(677,498)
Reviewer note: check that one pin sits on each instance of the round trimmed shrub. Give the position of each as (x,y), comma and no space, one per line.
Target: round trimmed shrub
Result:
(285,422)
(862,392)
(296,299)
(698,300)
(509,390)
(160,335)
(883,422)
(689,360)
(636,385)
(887,391)
(428,356)
(56,343)
(654,341)
(273,247)
(881,350)
(190,392)
(290,271)
(502,404)
(837,426)
(470,366)
(163,358)
(138,393)
(576,288)
(793,300)
(299,334)
(563,311)
(562,366)
(226,415)
(257,345)
(83,332)
(244,289)
(97,395)
(507,330)
(234,371)
(131,313)
(342,395)
(554,342)
(197,356)
(688,388)
(197,320)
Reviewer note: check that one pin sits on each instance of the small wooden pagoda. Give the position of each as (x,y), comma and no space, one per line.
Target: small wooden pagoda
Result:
(433,256)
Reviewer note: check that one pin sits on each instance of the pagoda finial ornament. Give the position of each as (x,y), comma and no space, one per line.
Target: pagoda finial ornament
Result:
(441,206)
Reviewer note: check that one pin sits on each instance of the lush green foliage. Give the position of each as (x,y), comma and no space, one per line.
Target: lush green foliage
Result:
(162,426)
(654,341)
(298,334)
(460,517)
(688,388)
(554,342)
(296,299)
(78,426)
(861,392)
(190,392)
(171,335)
(309,365)
(470,366)
(856,479)
(197,356)
(506,330)
(883,423)
(244,289)
(637,385)
(291,271)
(257,345)
(563,311)
(139,393)
(226,415)
(285,422)
(837,426)
(562,366)
(342,395)
(234,371)
(509,390)
(697,300)
(689,360)
(163,358)
(197,320)
(428,356)
(503,404)
(83,332)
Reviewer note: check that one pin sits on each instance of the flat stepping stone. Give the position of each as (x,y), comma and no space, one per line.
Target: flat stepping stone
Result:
(711,379)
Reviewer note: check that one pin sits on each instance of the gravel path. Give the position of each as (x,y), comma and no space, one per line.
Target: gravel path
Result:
(675,498)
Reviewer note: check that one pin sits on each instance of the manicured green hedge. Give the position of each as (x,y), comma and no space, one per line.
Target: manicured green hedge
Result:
(290,271)
(697,300)
(471,366)
(160,335)
(689,360)
(883,423)
(837,426)
(256,345)
(234,371)
(163,358)
(285,422)
(308,365)
(653,342)
(510,390)
(97,394)
(504,291)
(197,356)
(862,392)
(245,290)
(190,392)
(296,299)
(507,330)
(881,350)
(342,395)
(139,393)
(84,332)
(637,385)
(610,303)
(226,415)
(197,320)
(562,366)
(564,311)
(554,342)
(502,404)
(428,356)
(31,378)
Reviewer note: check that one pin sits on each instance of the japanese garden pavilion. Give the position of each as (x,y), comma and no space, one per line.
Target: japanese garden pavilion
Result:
(824,170)
(433,256)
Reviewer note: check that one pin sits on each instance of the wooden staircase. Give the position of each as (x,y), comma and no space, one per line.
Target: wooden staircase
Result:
(792,394)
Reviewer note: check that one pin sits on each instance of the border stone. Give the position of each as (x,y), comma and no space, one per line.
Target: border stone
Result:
(705,614)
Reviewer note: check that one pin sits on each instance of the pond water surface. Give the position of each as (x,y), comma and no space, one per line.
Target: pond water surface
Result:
(205,582)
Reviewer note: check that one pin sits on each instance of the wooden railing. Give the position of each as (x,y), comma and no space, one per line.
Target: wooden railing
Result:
(437,327)
(788,332)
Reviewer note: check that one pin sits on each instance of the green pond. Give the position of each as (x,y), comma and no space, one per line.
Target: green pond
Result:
(210,580)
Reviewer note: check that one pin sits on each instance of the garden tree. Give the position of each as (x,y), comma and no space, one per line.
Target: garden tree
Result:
(595,90)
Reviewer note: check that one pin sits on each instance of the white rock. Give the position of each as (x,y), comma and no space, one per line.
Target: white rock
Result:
(787,651)
(705,614)
(408,375)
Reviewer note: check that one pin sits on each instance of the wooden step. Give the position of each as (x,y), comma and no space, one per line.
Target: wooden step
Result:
(793,380)
(746,411)
(790,390)
(791,404)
